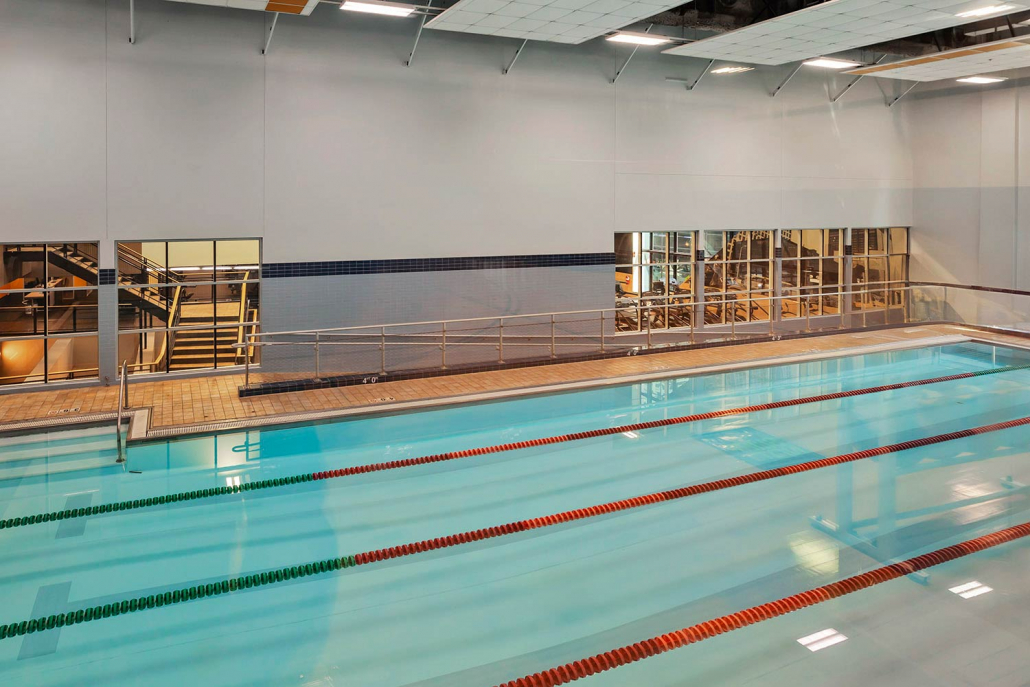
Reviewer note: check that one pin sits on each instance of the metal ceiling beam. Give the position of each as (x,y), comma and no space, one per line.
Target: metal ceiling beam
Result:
(790,76)
(268,43)
(701,75)
(852,84)
(625,64)
(132,21)
(407,62)
(903,94)
(517,53)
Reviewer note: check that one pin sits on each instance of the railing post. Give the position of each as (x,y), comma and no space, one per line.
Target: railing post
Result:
(318,365)
(649,325)
(602,331)
(443,345)
(733,321)
(382,350)
(246,367)
(552,336)
(904,305)
(808,312)
(500,340)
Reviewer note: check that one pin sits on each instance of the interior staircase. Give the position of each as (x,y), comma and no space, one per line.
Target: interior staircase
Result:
(193,348)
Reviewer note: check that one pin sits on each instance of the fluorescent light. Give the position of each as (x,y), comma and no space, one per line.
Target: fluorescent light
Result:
(980,79)
(829,63)
(731,70)
(971,589)
(821,639)
(638,38)
(985,11)
(391,9)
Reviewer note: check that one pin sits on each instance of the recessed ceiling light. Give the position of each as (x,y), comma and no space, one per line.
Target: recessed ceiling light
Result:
(821,639)
(731,70)
(391,9)
(829,63)
(981,79)
(638,38)
(985,11)
(971,589)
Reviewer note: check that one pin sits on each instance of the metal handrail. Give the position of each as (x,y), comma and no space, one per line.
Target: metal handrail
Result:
(443,334)
(123,402)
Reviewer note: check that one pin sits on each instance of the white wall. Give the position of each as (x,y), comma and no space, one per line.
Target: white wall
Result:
(330,149)
(971,211)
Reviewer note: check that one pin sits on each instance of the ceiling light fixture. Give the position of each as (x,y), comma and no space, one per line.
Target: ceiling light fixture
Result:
(391,9)
(638,38)
(731,70)
(980,79)
(985,11)
(830,63)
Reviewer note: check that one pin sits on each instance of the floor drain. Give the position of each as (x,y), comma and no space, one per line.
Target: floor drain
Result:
(63,411)
(383,399)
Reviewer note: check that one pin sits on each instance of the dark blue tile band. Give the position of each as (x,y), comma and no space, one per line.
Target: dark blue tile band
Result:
(106,277)
(501,262)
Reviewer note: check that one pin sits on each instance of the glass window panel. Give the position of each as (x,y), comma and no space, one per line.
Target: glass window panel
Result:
(859,270)
(682,250)
(736,276)
(713,244)
(624,279)
(761,245)
(858,241)
(24,266)
(680,279)
(898,240)
(653,280)
(627,247)
(715,277)
(811,273)
(877,270)
(72,358)
(760,274)
(832,271)
(790,241)
(654,248)
(877,241)
(72,264)
(811,243)
(22,361)
(72,311)
(898,268)
(191,260)
(833,242)
(789,273)
(790,304)
(736,245)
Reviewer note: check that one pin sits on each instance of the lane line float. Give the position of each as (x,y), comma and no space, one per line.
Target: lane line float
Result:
(451,540)
(638,651)
(179,497)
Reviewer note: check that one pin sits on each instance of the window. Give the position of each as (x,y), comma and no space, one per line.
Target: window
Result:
(813,267)
(879,262)
(183,305)
(653,279)
(738,275)
(48,312)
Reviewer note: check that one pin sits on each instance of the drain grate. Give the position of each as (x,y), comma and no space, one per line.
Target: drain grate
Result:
(63,411)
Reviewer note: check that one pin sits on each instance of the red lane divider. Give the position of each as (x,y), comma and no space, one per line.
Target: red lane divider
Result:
(608,431)
(670,495)
(756,614)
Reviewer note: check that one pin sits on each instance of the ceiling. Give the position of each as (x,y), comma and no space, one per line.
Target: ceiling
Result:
(955,64)
(559,21)
(302,7)
(830,28)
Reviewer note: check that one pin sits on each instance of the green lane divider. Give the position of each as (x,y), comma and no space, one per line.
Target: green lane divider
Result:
(180,497)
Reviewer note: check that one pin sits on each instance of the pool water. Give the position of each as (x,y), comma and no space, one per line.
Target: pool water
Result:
(494,610)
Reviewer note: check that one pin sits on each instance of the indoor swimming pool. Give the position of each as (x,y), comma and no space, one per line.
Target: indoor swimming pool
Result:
(389,551)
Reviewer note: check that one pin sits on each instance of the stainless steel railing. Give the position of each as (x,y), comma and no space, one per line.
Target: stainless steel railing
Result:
(558,331)
(123,403)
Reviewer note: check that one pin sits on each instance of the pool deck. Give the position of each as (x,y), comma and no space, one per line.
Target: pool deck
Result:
(187,406)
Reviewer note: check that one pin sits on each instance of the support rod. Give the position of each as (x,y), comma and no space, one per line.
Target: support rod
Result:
(903,94)
(132,21)
(790,76)
(517,53)
(407,63)
(852,84)
(701,75)
(625,64)
(268,43)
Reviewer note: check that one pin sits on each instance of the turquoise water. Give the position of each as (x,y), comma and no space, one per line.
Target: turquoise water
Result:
(482,613)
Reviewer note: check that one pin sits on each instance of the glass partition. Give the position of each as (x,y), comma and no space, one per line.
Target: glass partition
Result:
(653,280)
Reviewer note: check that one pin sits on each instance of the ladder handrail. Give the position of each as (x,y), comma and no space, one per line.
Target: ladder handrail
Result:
(123,402)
